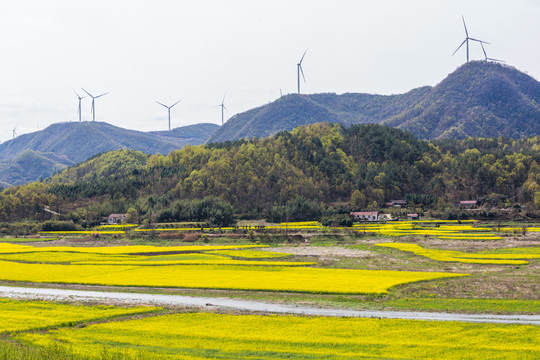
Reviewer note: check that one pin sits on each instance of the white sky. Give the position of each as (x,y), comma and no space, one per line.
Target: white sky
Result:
(143,51)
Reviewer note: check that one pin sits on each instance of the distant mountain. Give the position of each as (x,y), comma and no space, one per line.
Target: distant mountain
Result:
(478,99)
(294,110)
(40,154)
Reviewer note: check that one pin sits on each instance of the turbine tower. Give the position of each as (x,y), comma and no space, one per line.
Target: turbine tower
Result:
(486,58)
(222,105)
(169,109)
(467,38)
(79,110)
(93,105)
(299,70)
(14,133)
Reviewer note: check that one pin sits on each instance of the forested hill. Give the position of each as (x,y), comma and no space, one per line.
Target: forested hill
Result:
(40,154)
(294,110)
(480,98)
(293,175)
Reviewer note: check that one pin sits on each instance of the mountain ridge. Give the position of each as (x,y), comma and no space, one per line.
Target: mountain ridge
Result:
(479,99)
(64,144)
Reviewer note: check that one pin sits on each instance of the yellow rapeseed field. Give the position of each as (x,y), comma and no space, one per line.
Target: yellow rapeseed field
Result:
(6,248)
(458,256)
(31,315)
(249,254)
(217,336)
(271,278)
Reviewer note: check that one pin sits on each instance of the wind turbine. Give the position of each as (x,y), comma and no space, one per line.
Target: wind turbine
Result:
(467,38)
(169,109)
(80,98)
(14,133)
(299,70)
(222,105)
(93,100)
(488,58)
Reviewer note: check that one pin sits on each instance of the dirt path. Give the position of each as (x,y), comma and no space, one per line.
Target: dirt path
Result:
(176,300)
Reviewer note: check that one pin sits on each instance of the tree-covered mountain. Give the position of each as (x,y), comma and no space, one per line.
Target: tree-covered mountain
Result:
(291,175)
(480,98)
(40,154)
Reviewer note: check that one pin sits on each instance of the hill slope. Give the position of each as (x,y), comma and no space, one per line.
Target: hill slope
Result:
(478,99)
(294,110)
(64,144)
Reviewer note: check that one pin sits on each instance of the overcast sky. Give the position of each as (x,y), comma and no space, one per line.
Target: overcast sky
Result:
(143,51)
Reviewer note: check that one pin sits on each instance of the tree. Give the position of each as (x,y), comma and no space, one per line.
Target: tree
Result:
(132,216)
(358,199)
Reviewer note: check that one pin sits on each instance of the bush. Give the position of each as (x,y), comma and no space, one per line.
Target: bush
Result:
(337,220)
(52,225)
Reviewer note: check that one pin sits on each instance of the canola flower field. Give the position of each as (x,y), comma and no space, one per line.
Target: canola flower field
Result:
(237,277)
(114,267)
(219,336)
(458,256)
(35,315)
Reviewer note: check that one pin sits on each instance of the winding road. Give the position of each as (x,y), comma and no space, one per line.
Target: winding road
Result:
(246,305)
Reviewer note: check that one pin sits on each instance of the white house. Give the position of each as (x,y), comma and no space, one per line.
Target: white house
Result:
(116,218)
(365,215)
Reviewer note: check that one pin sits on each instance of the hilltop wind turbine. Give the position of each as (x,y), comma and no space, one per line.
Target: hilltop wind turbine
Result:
(79,110)
(93,100)
(299,70)
(467,38)
(222,105)
(169,109)
(14,133)
(488,58)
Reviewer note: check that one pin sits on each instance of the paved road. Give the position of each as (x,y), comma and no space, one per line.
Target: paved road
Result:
(164,300)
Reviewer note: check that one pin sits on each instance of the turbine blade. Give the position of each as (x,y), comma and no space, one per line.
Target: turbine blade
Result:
(466,32)
(162,104)
(225,108)
(87,93)
(464,41)
(480,41)
(222,101)
(484,50)
(176,103)
(302,71)
(492,59)
(101,95)
(303,57)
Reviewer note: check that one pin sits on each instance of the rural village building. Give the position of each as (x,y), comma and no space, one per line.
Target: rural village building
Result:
(116,218)
(412,216)
(365,215)
(467,204)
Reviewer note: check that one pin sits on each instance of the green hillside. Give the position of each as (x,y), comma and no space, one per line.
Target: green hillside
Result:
(480,98)
(64,144)
(295,175)
(294,110)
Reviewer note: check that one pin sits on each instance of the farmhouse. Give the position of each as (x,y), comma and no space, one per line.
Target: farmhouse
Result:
(467,204)
(412,216)
(365,215)
(116,218)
